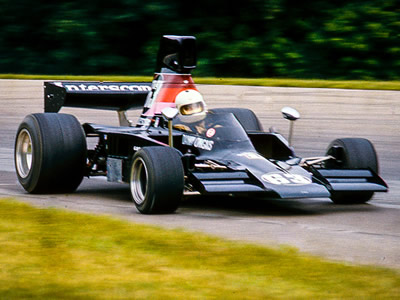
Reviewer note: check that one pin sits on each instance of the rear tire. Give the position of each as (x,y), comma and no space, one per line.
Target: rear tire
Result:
(156,180)
(245,116)
(352,153)
(50,153)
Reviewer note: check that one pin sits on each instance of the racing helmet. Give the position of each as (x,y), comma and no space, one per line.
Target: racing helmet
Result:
(191,105)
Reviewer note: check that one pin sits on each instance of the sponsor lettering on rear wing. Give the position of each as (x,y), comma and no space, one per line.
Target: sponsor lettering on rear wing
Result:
(119,96)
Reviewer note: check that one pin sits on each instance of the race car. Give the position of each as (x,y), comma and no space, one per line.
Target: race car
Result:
(178,146)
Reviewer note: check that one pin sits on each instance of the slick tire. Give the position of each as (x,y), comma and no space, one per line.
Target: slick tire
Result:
(245,116)
(156,180)
(352,153)
(50,153)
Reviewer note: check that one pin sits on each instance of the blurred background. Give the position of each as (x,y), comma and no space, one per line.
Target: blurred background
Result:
(338,39)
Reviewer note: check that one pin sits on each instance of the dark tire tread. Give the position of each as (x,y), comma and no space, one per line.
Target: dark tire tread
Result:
(59,153)
(352,153)
(165,179)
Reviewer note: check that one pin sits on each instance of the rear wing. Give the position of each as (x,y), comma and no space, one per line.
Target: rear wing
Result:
(119,96)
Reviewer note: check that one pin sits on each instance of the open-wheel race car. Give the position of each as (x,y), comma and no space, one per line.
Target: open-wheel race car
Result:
(178,146)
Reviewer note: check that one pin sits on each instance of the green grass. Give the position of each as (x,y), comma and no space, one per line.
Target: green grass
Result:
(55,254)
(308,83)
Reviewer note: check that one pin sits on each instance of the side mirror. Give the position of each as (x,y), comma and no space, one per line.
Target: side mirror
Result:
(170,113)
(292,115)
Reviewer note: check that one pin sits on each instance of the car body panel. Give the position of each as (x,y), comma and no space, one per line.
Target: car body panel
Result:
(219,156)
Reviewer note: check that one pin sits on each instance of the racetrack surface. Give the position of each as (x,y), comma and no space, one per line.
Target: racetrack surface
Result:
(368,234)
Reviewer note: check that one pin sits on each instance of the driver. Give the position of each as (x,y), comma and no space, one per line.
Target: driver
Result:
(192,110)
(191,106)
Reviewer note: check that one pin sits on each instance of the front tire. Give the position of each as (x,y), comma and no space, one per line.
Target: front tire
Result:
(352,153)
(50,153)
(156,180)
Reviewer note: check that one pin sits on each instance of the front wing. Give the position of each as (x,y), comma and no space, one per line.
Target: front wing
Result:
(323,183)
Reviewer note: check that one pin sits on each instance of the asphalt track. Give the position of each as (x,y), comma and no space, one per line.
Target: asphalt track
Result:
(367,234)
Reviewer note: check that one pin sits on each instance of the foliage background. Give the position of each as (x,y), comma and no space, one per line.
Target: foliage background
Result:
(338,39)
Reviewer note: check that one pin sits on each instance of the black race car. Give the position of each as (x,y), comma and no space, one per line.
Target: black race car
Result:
(180,147)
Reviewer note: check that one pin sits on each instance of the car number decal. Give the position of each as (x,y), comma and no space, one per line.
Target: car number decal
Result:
(285,179)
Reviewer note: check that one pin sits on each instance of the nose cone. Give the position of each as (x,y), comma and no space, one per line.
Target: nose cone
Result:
(289,182)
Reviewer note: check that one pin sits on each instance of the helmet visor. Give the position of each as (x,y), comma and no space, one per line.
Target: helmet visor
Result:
(192,108)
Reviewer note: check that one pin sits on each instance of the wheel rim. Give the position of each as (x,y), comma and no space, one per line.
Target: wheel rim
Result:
(24,153)
(139,181)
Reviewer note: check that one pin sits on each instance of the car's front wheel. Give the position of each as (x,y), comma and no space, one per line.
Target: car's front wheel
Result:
(50,153)
(352,153)
(156,180)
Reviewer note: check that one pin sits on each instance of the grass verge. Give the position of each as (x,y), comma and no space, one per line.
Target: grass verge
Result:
(49,253)
(306,83)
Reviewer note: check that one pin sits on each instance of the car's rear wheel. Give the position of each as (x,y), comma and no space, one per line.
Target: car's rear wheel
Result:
(352,153)
(50,153)
(246,117)
(156,180)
